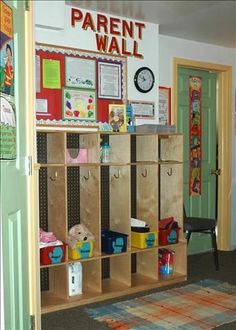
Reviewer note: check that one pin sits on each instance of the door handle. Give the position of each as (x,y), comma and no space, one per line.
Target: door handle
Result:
(216,172)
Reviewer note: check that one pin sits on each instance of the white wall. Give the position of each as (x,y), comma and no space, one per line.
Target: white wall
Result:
(170,47)
(81,39)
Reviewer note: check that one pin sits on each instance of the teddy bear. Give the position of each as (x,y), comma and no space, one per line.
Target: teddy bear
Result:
(78,232)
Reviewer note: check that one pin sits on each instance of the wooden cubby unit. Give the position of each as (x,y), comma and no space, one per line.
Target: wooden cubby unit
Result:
(143,179)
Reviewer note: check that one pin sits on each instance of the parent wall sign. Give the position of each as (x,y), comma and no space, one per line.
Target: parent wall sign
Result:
(113,35)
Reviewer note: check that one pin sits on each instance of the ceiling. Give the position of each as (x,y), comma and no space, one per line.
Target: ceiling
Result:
(211,22)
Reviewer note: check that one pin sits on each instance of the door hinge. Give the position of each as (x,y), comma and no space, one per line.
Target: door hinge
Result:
(32,322)
(216,172)
(27,5)
(28,167)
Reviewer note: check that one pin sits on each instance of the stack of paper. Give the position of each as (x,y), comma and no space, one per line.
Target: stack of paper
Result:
(137,223)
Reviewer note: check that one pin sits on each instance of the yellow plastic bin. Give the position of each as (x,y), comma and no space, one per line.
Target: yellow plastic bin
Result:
(144,240)
(83,250)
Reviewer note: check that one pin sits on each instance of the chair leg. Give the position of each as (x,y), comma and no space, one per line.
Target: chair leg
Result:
(214,245)
(188,235)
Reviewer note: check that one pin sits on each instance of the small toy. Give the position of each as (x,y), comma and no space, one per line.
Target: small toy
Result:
(77,233)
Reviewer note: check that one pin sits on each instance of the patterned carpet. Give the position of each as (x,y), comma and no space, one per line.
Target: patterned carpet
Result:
(203,305)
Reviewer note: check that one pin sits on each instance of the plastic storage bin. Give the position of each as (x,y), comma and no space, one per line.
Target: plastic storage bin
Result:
(54,254)
(168,231)
(83,250)
(113,242)
(144,240)
(168,236)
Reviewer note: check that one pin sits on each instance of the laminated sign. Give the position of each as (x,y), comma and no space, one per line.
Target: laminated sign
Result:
(7,130)
(6,50)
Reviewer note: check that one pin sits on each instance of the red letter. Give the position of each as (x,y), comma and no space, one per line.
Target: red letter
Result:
(101,43)
(127,27)
(114,47)
(76,15)
(140,26)
(124,51)
(114,25)
(88,22)
(101,22)
(135,50)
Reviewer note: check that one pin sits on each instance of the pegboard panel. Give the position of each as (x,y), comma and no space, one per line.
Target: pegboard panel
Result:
(72,140)
(44,279)
(42,148)
(133,263)
(73,196)
(133,192)
(105,268)
(133,148)
(43,199)
(133,176)
(105,199)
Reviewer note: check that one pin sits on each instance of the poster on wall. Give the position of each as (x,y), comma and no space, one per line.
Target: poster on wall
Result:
(117,117)
(51,74)
(164,105)
(143,110)
(79,104)
(6,50)
(109,80)
(195,135)
(7,130)
(80,72)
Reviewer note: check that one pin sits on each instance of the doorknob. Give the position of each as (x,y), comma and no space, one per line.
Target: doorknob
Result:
(216,172)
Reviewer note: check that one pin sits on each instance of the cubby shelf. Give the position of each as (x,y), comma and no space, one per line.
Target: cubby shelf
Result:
(144,180)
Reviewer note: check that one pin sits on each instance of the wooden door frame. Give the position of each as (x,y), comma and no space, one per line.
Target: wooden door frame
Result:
(224,130)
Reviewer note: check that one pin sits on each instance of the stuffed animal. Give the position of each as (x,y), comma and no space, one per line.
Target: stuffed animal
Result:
(78,232)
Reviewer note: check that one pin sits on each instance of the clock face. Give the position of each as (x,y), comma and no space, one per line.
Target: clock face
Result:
(144,79)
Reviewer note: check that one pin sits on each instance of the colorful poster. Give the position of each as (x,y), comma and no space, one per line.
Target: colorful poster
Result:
(117,117)
(6,50)
(195,135)
(79,104)
(7,130)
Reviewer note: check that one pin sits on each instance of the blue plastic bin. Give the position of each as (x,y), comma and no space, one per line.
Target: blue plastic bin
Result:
(113,242)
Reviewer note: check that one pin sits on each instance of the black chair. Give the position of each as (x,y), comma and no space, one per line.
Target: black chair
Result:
(205,226)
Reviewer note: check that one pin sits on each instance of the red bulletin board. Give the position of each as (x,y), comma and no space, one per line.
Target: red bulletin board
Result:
(54,96)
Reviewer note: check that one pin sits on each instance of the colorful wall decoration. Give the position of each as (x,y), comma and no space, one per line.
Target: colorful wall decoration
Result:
(6,50)
(71,92)
(195,96)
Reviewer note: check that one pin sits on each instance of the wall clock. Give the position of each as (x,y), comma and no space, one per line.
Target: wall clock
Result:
(144,79)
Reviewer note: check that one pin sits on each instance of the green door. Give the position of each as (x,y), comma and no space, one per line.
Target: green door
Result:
(203,201)
(15,175)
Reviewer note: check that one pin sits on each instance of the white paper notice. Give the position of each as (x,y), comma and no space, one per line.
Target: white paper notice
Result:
(41,106)
(37,73)
(109,80)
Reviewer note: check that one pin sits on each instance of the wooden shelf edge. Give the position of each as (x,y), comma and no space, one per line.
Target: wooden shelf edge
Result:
(104,256)
(97,296)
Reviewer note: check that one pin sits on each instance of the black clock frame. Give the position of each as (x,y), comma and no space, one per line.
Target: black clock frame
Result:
(136,83)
